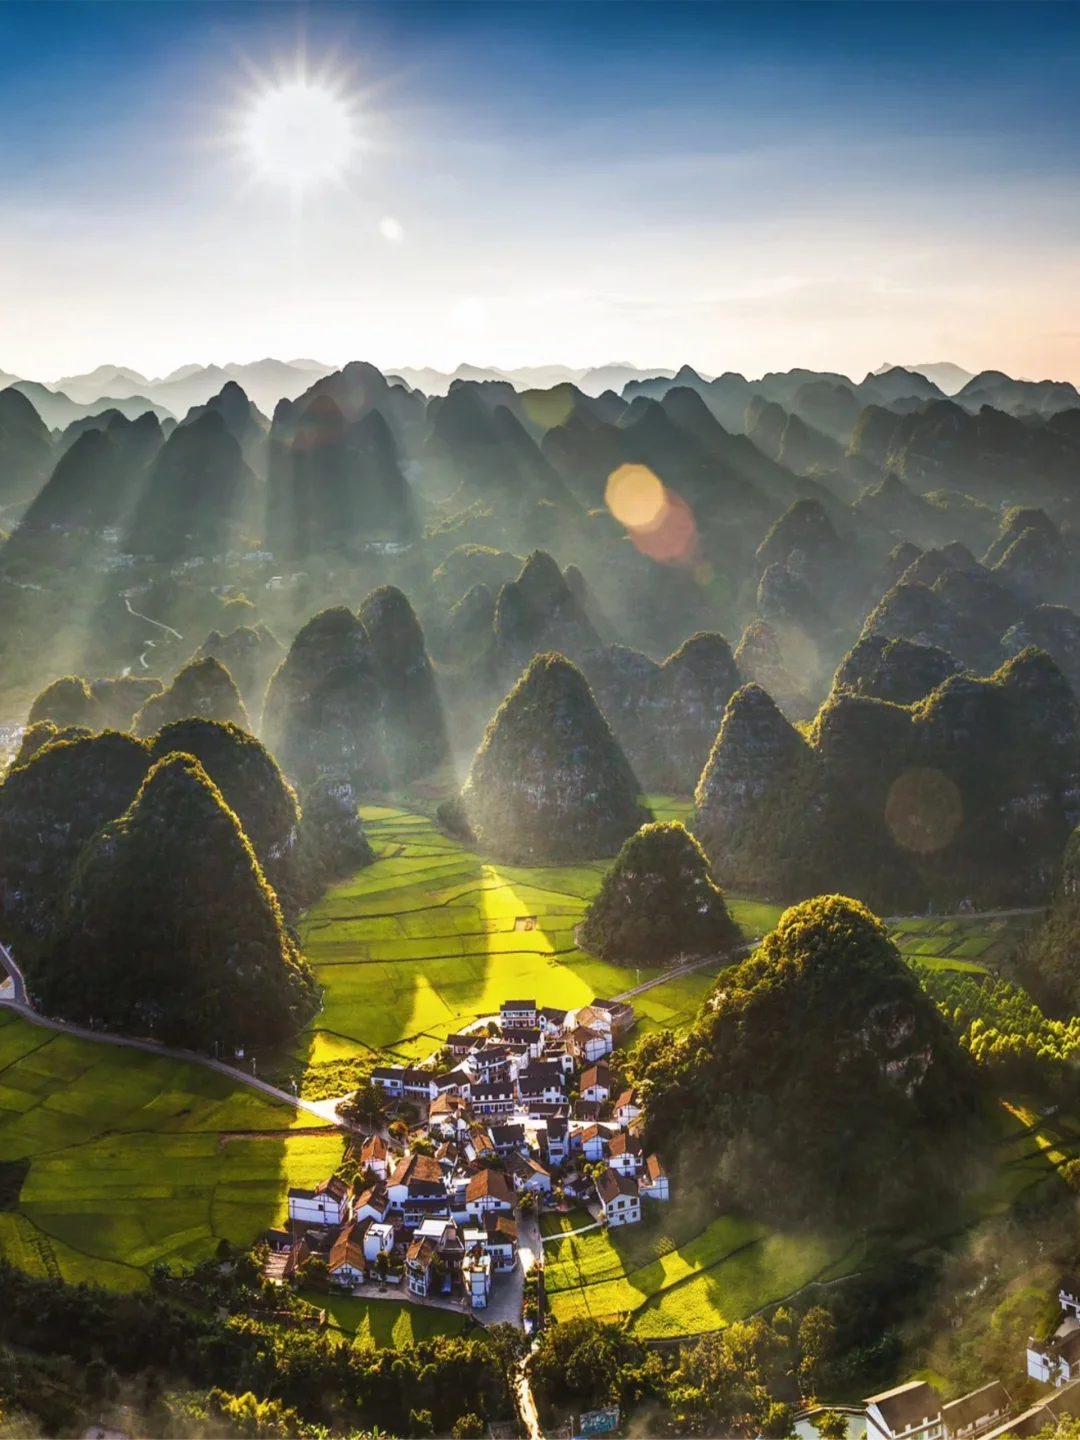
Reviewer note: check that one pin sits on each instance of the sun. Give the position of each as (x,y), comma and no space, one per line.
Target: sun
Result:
(300,132)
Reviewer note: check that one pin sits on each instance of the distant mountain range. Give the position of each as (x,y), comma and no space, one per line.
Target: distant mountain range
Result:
(949,378)
(267,382)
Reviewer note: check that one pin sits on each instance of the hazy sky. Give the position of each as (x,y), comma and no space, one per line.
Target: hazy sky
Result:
(743,188)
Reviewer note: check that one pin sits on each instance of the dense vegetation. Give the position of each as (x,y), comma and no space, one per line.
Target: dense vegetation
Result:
(549,781)
(169,929)
(825,1019)
(658,901)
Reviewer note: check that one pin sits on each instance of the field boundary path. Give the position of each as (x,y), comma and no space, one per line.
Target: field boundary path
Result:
(565,1234)
(19,1003)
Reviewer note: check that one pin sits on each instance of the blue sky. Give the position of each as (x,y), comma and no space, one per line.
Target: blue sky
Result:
(740,187)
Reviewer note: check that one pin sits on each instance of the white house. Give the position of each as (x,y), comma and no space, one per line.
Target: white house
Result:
(372,1203)
(558,1141)
(627,1108)
(518,1014)
(588,1045)
(378,1240)
(654,1182)
(476,1277)
(495,1098)
(596,1083)
(533,1091)
(972,1415)
(593,1143)
(327,1204)
(552,1021)
(347,1263)
(488,1190)
(530,1174)
(375,1156)
(1055,1361)
(907,1412)
(416,1178)
(390,1077)
(619,1197)
(625,1153)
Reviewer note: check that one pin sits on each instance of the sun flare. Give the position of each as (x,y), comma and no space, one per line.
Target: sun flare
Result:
(300,133)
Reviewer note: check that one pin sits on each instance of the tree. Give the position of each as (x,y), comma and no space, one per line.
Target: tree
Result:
(366,1105)
(831,1425)
(51,807)
(817,1338)
(468,1427)
(170,930)
(250,781)
(549,781)
(68,701)
(382,1265)
(658,901)
(527,1202)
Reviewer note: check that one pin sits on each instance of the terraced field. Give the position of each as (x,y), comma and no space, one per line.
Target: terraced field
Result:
(975,945)
(128,1158)
(730,1269)
(431,936)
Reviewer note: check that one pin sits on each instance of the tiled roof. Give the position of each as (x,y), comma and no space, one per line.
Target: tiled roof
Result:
(611,1185)
(489,1182)
(987,1400)
(906,1405)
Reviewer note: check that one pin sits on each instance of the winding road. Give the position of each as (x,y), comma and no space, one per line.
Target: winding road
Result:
(19,1002)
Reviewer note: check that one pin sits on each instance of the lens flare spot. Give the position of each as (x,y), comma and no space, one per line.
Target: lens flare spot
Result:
(636,497)
(660,522)
(923,810)
(391,230)
(549,408)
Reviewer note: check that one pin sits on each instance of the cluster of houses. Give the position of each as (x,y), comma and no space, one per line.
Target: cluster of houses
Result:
(525,1096)
(546,1072)
(914,1411)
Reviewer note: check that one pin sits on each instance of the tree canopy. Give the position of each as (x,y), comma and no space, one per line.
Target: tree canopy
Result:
(819,1083)
(169,929)
(323,710)
(203,689)
(658,901)
(549,781)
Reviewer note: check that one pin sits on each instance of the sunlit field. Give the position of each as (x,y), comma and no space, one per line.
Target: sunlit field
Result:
(431,936)
(135,1159)
(385,1323)
(674,1275)
(669,1282)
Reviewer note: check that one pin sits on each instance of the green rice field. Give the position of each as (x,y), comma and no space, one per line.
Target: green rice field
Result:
(728,1270)
(386,1323)
(976,945)
(131,1158)
(431,936)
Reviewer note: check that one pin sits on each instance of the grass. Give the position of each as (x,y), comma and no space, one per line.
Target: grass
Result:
(386,1324)
(976,946)
(136,1158)
(684,1284)
(431,936)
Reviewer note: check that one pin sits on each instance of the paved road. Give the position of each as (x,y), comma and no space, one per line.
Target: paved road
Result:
(19,1002)
(526,1404)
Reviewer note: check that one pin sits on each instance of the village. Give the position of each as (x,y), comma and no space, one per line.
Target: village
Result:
(519,1113)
